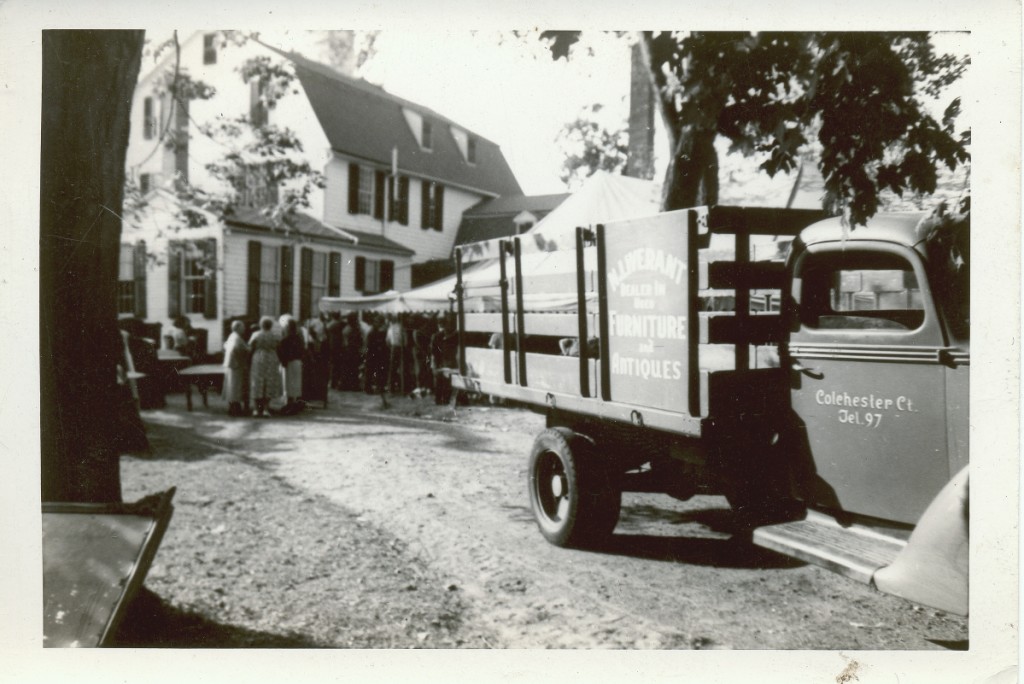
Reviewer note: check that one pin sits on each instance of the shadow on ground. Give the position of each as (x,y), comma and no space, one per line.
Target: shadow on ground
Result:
(736,552)
(150,622)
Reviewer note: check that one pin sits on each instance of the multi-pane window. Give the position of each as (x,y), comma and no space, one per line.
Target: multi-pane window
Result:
(432,207)
(255,188)
(471,151)
(209,48)
(366,182)
(398,200)
(193,277)
(145,182)
(270,281)
(126,280)
(318,282)
(374,276)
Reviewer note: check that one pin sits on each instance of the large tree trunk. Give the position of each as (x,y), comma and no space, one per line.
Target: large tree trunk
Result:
(88,81)
(691,177)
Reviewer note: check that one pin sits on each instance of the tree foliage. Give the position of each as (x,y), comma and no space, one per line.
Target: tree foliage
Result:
(589,146)
(860,96)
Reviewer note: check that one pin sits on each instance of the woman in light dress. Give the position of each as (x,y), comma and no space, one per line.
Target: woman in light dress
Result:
(236,369)
(265,375)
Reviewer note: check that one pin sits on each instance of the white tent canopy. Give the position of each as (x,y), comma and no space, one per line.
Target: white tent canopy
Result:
(604,197)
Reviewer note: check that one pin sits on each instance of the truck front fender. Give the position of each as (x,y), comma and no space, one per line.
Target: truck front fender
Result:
(933,568)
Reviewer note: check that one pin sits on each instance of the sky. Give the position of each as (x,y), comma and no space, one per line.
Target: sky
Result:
(505,89)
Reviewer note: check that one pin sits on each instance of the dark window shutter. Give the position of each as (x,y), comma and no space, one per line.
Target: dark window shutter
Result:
(334,277)
(403,200)
(287,278)
(361,273)
(425,204)
(173,279)
(210,289)
(353,188)
(379,188)
(139,271)
(391,198)
(438,207)
(305,283)
(387,275)
(253,297)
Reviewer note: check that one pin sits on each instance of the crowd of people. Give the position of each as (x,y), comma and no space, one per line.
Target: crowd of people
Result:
(282,366)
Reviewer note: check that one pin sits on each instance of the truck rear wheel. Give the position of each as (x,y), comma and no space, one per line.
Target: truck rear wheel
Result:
(572,494)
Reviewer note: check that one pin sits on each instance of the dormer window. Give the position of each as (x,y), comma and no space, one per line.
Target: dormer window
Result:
(428,135)
(466,144)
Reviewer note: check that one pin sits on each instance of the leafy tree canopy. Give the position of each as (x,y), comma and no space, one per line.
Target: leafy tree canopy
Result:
(589,146)
(860,97)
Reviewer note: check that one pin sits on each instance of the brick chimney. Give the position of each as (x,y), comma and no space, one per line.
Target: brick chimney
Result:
(640,159)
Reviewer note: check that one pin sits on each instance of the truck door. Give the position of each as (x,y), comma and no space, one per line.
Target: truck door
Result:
(868,385)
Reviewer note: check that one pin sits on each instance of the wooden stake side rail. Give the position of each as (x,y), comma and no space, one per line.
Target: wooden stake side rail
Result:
(583,384)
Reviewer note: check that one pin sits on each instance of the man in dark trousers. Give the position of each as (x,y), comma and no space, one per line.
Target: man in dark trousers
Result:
(351,346)
(443,347)
(334,348)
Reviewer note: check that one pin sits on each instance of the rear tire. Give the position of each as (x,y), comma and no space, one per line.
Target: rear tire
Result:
(572,493)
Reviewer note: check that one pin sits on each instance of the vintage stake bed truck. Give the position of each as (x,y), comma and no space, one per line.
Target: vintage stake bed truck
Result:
(826,395)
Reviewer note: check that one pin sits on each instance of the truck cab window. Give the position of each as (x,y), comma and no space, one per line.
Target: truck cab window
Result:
(860,291)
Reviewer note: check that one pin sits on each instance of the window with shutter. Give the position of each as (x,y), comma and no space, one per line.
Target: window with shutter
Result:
(252,302)
(287,279)
(334,279)
(387,275)
(209,48)
(258,113)
(353,188)
(426,204)
(402,208)
(438,220)
(174,258)
(379,192)
(361,274)
(305,282)
(209,303)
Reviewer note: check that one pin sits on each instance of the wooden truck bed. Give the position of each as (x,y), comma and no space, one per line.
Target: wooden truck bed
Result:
(655,355)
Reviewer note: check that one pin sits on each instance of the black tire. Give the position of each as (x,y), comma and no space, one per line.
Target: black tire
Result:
(573,495)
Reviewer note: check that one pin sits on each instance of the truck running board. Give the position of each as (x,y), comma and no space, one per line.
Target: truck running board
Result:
(856,551)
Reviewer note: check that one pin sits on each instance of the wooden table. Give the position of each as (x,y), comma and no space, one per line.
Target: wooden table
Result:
(204,376)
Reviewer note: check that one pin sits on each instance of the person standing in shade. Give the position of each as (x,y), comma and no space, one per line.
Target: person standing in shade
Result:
(290,352)
(236,367)
(334,349)
(264,372)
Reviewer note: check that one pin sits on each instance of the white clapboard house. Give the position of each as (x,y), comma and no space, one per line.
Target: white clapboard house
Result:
(398,177)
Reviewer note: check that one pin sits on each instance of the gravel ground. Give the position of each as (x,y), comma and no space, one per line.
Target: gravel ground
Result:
(408,527)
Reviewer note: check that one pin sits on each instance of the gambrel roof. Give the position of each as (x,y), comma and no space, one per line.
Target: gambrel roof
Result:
(365,122)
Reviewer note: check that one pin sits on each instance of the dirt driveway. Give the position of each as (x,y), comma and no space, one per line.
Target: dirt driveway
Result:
(357,526)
